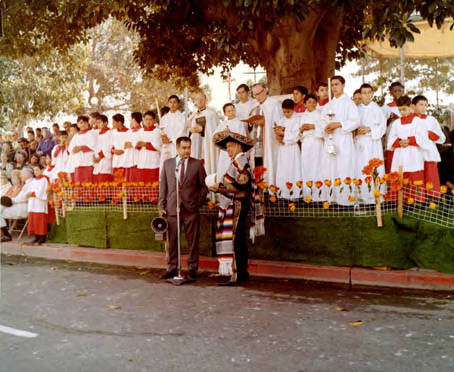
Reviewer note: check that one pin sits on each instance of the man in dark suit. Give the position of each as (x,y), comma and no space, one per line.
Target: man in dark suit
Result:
(193,191)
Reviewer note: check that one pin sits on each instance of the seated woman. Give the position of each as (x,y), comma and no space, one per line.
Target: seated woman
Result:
(4,183)
(17,209)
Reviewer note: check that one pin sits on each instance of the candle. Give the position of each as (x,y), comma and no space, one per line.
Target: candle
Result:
(329,90)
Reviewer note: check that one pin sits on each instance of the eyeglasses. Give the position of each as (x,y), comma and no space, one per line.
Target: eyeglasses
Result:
(257,94)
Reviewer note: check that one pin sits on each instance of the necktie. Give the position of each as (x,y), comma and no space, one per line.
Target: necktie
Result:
(182,171)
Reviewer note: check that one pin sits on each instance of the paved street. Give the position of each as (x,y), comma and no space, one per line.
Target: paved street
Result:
(82,317)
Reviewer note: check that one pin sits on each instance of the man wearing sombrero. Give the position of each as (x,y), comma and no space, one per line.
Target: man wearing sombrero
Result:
(237,189)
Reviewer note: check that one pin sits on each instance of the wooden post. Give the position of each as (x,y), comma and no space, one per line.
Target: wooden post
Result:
(63,204)
(125,203)
(378,208)
(400,194)
(57,217)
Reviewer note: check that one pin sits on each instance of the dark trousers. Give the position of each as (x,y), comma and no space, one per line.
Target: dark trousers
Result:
(191,223)
(240,242)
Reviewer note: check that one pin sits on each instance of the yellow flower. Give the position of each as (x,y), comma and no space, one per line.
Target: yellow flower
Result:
(308,199)
(273,199)
(309,183)
(337,182)
(417,182)
(351,198)
(326,205)
(429,185)
(405,181)
(292,207)
(443,189)
(410,201)
(210,204)
(432,205)
(377,193)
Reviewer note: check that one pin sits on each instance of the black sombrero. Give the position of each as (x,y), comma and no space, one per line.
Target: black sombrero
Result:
(222,138)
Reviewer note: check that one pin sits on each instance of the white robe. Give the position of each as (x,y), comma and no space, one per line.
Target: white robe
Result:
(369,145)
(60,160)
(149,159)
(388,109)
(271,110)
(411,158)
(236,126)
(131,155)
(312,151)
(431,124)
(289,158)
(202,146)
(118,139)
(103,151)
(84,158)
(38,203)
(341,165)
(173,124)
(243,109)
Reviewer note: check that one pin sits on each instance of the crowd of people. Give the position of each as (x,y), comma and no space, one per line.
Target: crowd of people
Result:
(325,135)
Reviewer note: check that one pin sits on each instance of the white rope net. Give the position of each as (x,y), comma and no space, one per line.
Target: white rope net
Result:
(344,200)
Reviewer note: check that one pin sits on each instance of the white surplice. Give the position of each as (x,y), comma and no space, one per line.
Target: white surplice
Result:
(288,168)
(341,165)
(118,139)
(312,150)
(411,158)
(103,151)
(149,156)
(173,124)
(202,146)
(236,126)
(243,109)
(369,145)
(431,124)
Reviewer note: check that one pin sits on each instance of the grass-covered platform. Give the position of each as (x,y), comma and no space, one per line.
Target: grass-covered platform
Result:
(343,241)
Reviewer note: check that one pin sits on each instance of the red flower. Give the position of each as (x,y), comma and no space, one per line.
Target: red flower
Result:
(368,170)
(375,162)
(318,184)
(289,185)
(259,172)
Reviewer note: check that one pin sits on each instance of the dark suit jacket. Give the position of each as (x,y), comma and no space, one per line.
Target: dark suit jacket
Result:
(193,191)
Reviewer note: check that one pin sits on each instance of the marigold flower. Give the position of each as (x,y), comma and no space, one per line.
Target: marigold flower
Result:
(210,204)
(368,180)
(381,180)
(120,194)
(299,184)
(377,193)
(155,184)
(62,175)
(327,182)
(51,202)
(337,182)
(368,170)
(77,183)
(443,189)
(375,162)
(87,200)
(289,185)
(308,199)
(396,186)
(71,197)
(348,181)
(273,199)
(309,184)
(136,199)
(432,205)
(417,182)
(60,194)
(102,198)
(393,176)
(318,184)
(326,205)
(273,188)
(292,207)
(351,198)
(410,201)
(429,185)
(262,185)
(405,181)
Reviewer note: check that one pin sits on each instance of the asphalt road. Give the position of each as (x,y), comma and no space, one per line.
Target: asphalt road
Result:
(81,317)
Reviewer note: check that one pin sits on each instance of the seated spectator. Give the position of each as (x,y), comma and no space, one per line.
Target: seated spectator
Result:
(20,159)
(7,166)
(34,160)
(33,147)
(17,194)
(39,135)
(47,144)
(10,152)
(4,183)
(30,136)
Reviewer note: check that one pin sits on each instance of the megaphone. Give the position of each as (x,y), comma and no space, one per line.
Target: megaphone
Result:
(159,227)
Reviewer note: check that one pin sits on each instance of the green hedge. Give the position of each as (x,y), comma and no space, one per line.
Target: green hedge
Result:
(343,241)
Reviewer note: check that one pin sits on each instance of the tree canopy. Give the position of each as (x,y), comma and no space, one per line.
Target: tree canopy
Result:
(295,41)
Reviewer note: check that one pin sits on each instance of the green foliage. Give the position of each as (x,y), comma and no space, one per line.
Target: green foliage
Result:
(182,37)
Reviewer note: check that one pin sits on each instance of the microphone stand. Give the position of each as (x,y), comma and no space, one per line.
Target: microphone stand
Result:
(178,279)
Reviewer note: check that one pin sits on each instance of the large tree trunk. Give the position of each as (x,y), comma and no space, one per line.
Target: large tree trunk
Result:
(299,52)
